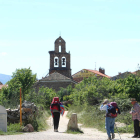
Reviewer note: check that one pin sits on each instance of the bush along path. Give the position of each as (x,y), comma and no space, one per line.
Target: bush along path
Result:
(89,133)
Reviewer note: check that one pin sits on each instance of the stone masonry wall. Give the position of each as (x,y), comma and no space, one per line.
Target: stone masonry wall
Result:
(53,85)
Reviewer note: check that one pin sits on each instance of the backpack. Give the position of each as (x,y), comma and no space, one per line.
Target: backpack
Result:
(55,104)
(113,110)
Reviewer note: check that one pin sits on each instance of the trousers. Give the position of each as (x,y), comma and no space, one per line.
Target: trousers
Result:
(109,125)
(136,128)
(56,119)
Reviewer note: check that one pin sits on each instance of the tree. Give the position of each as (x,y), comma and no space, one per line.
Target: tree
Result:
(24,79)
(21,78)
(132,86)
(43,97)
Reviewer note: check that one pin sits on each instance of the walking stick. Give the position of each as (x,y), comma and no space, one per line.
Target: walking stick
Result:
(118,131)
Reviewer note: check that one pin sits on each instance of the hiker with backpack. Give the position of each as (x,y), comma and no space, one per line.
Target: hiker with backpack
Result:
(56,109)
(135,112)
(111,113)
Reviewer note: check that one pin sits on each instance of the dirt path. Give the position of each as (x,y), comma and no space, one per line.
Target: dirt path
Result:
(89,133)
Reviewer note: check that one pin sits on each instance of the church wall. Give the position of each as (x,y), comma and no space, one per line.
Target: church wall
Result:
(54,85)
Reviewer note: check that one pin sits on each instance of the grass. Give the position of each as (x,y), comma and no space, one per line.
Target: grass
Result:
(78,131)
(42,124)
(39,121)
(125,118)
(12,129)
(39,124)
(94,118)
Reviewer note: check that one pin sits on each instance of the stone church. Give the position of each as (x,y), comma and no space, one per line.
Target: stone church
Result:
(60,71)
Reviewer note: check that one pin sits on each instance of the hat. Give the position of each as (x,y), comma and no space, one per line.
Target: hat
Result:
(133,99)
(55,100)
(105,101)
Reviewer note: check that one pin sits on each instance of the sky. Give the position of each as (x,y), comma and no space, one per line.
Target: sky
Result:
(98,33)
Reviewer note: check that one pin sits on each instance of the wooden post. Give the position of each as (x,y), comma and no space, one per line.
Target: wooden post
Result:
(20,108)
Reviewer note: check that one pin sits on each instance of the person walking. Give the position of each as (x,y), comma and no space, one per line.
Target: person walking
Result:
(109,121)
(135,112)
(56,108)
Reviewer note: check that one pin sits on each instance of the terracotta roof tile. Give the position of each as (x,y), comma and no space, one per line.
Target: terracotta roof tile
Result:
(97,72)
(94,71)
(135,72)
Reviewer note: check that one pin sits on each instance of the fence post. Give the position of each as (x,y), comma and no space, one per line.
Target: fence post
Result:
(20,108)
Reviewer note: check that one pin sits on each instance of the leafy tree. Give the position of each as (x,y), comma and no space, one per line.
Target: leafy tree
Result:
(93,90)
(64,93)
(21,78)
(41,98)
(132,86)
(24,79)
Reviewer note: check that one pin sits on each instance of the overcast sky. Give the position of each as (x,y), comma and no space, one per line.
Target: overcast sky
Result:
(103,31)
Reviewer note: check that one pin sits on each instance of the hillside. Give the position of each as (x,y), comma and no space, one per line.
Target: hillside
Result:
(4,78)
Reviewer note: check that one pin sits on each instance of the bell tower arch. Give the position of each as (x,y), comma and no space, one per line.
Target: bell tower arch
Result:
(59,58)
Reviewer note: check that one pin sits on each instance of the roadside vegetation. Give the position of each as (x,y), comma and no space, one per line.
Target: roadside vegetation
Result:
(84,99)
(9,98)
(12,129)
(88,95)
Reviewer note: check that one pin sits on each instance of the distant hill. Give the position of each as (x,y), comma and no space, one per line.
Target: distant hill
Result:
(5,78)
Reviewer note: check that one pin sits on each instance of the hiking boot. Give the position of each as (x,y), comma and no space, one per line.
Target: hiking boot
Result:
(135,136)
(109,138)
(113,135)
(55,130)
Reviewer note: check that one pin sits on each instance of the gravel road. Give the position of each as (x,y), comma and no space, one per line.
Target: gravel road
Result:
(89,133)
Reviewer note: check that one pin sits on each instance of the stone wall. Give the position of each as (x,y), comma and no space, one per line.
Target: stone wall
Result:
(53,85)
(28,111)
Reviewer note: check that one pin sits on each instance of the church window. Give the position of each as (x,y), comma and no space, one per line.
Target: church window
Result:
(59,48)
(63,62)
(56,62)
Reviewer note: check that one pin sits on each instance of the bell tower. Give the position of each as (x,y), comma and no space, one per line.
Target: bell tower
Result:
(60,59)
